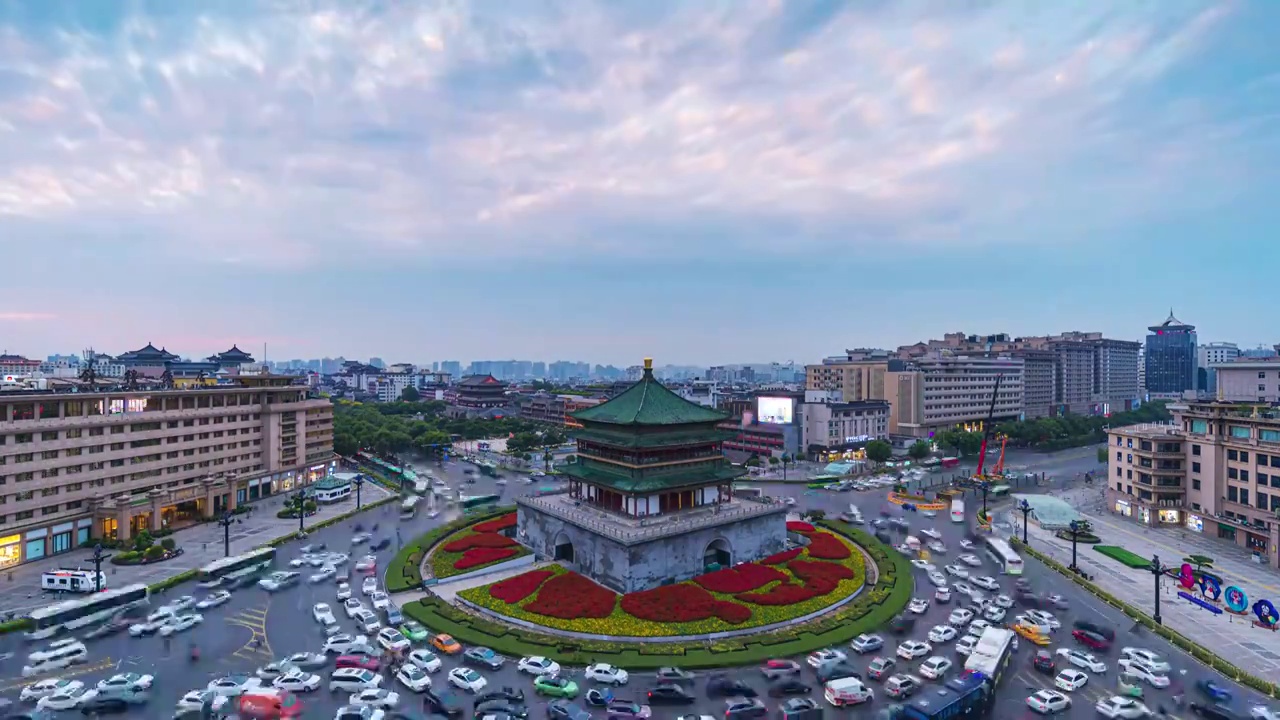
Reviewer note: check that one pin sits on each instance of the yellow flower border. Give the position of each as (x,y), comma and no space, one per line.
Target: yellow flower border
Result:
(442,561)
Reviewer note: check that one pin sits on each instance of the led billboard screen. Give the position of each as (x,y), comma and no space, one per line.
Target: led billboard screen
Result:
(775,411)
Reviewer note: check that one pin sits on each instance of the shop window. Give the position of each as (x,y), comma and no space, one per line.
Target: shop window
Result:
(35,549)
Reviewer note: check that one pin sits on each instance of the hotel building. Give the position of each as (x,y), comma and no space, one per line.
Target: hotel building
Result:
(932,394)
(86,465)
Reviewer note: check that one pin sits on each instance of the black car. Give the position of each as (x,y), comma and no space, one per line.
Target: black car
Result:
(1043,662)
(836,670)
(104,706)
(382,544)
(669,693)
(483,657)
(902,624)
(565,710)
(747,709)
(441,706)
(508,695)
(725,686)
(799,708)
(1096,629)
(1214,712)
(108,628)
(498,707)
(789,686)
(674,675)
(597,697)
(883,536)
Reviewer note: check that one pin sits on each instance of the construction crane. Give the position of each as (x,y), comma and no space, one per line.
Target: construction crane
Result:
(999,468)
(987,428)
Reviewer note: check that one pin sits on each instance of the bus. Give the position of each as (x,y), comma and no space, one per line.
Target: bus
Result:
(957,510)
(966,695)
(76,581)
(237,567)
(74,614)
(990,657)
(744,491)
(409,508)
(474,501)
(1000,551)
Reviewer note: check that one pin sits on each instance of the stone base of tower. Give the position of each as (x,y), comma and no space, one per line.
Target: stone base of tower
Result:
(631,554)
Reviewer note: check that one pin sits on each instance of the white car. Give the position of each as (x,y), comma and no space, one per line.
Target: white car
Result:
(376,698)
(368,563)
(149,626)
(194,700)
(930,532)
(986,582)
(994,613)
(335,559)
(214,600)
(936,547)
(970,560)
(354,680)
(1122,708)
(233,685)
(273,670)
(392,640)
(817,658)
(181,623)
(967,545)
(297,681)
(1003,601)
(977,626)
(1151,660)
(344,591)
(1070,680)
(966,644)
(1048,702)
(425,659)
(323,614)
(182,603)
(299,561)
(369,586)
(919,606)
(325,573)
(49,686)
(865,643)
(904,549)
(935,667)
(938,579)
(467,679)
(413,677)
(343,643)
(538,666)
(380,600)
(960,616)
(942,595)
(66,699)
(923,565)
(956,571)
(1141,671)
(1083,660)
(964,588)
(353,606)
(361,538)
(978,600)
(942,633)
(126,682)
(912,649)
(610,675)
(1262,712)
(1041,617)
(367,621)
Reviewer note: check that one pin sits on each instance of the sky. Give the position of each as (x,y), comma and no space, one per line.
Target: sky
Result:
(701,182)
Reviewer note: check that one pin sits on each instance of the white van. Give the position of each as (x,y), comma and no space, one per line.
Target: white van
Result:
(847,691)
(61,654)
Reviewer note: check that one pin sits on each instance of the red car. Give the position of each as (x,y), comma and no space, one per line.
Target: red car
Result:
(1093,641)
(364,662)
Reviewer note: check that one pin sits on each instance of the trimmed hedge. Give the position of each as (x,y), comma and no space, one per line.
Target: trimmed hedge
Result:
(173,581)
(331,521)
(405,571)
(1124,557)
(1179,640)
(1081,538)
(875,607)
(19,625)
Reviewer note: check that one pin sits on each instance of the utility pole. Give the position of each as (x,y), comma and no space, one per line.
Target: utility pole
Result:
(1075,532)
(1025,507)
(98,557)
(1156,572)
(359,481)
(225,522)
(301,497)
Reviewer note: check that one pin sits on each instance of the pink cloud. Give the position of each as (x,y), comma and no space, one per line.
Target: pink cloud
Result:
(8,316)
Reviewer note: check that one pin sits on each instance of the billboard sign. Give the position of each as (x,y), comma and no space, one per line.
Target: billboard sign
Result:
(775,410)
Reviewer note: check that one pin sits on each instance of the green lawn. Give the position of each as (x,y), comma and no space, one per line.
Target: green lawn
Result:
(1120,555)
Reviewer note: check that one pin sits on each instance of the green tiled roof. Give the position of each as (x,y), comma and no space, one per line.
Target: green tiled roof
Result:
(625,437)
(595,474)
(648,402)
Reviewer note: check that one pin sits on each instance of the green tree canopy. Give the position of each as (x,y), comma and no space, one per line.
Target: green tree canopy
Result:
(919,450)
(1082,428)
(879,451)
(421,426)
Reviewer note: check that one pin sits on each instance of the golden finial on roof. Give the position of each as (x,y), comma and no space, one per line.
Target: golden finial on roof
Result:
(648,363)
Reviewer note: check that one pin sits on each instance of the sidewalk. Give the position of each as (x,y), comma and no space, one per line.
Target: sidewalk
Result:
(449,590)
(201,544)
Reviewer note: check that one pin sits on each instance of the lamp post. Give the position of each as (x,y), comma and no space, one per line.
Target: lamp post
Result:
(1075,533)
(301,497)
(359,481)
(1156,571)
(1025,508)
(98,557)
(225,522)
(985,487)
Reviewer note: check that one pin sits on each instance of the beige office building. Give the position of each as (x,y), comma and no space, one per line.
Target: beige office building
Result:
(859,375)
(932,394)
(87,465)
(1248,381)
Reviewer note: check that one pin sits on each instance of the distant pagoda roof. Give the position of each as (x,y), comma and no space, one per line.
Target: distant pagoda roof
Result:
(485,381)
(649,402)
(234,355)
(148,352)
(1172,323)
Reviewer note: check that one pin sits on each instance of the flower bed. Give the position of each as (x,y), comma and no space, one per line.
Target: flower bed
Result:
(479,540)
(799,527)
(783,557)
(570,596)
(497,524)
(682,603)
(825,546)
(472,548)
(514,589)
(740,579)
(479,557)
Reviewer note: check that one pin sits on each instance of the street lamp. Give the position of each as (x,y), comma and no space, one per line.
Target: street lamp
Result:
(1075,533)
(985,486)
(1025,507)
(225,522)
(98,557)
(301,497)
(1156,572)
(359,481)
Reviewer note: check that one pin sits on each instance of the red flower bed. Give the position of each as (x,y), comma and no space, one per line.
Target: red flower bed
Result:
(780,595)
(820,577)
(514,589)
(825,546)
(481,540)
(497,524)
(785,556)
(800,527)
(740,579)
(482,556)
(682,603)
(570,596)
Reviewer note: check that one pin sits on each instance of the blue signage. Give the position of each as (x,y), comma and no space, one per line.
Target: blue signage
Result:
(1236,600)
(1202,603)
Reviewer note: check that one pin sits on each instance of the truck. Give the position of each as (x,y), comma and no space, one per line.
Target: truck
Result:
(957,510)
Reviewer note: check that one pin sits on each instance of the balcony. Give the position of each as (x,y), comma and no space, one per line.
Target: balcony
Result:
(634,531)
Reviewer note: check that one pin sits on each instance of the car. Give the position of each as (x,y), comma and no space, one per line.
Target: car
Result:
(391,639)
(394,616)
(1031,633)
(957,571)
(352,606)
(881,667)
(675,674)
(194,701)
(986,582)
(367,621)
(1102,630)
(66,699)
(900,687)
(977,627)
(964,588)
(743,709)
(994,613)
(181,623)
(376,698)
(599,672)
(446,644)
(1140,670)
(1048,702)
(864,643)
(1121,708)
(936,547)
(360,662)
(48,686)
(627,710)
(912,649)
(273,670)
(467,679)
(978,600)
(1002,601)
(425,659)
(1262,712)
(935,667)
(789,686)
(556,686)
(1082,660)
(722,685)
(369,586)
(923,565)
(1070,680)
(942,633)
(344,591)
(444,706)
(1093,641)
(149,626)
(1214,691)
(969,559)
(960,616)
(343,643)
(380,600)
(565,710)
(967,544)
(929,514)
(307,660)
(966,644)
(413,677)
(385,542)
(127,683)
(182,603)
(278,581)
(942,595)
(323,614)
(213,600)
(1044,618)
(297,681)
(231,685)
(415,631)
(919,606)
(836,671)
(507,696)
(367,564)
(930,532)
(1214,712)
(354,680)
(1153,661)
(840,693)
(819,657)
(776,669)
(109,628)
(938,579)
(483,657)
(1043,662)
(336,558)
(361,538)
(538,665)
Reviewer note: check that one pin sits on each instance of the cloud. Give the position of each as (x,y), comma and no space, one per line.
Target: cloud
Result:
(7,316)
(314,132)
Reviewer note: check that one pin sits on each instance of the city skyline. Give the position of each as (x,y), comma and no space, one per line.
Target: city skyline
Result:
(611,181)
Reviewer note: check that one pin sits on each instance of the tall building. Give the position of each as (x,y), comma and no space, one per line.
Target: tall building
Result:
(1247,381)
(1039,381)
(1209,355)
(857,375)
(1171,358)
(83,465)
(933,394)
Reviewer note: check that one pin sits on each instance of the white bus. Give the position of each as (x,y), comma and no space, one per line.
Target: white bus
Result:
(991,655)
(957,510)
(76,581)
(409,507)
(238,566)
(1003,554)
(73,614)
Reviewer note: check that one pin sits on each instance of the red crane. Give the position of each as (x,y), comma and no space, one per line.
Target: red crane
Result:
(987,427)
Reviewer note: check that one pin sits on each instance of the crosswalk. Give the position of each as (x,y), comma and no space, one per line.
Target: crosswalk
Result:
(70,672)
(1099,687)
(255,620)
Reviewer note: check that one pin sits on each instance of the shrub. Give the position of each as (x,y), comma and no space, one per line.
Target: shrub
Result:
(154,552)
(570,596)
(125,558)
(799,527)
(497,524)
(482,556)
(168,544)
(783,594)
(479,540)
(740,579)
(175,580)
(515,589)
(825,546)
(782,557)
(684,602)
(1129,559)
(820,577)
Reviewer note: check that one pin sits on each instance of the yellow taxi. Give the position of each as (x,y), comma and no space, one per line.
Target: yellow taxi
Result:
(1031,634)
(446,644)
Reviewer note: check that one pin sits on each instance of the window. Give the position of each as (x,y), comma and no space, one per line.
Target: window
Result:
(1244,456)
(1129,457)
(1233,473)
(1128,442)
(49,435)
(1118,472)
(1128,474)
(1233,455)
(1119,456)
(1262,500)
(1262,388)
(1244,496)
(1233,494)
(1261,459)
(1195,484)
(1262,375)
(1195,449)
(1244,475)
(1195,467)
(1239,431)
(1262,478)
(1119,442)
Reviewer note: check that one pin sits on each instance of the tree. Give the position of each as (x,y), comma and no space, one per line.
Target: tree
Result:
(879,451)
(410,394)
(919,450)
(753,462)
(1199,562)
(546,460)
(1103,455)
(773,460)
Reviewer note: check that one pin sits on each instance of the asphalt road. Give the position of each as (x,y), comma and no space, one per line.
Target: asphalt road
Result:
(284,621)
